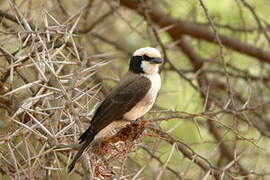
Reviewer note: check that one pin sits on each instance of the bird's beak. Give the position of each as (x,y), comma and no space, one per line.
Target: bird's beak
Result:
(156,61)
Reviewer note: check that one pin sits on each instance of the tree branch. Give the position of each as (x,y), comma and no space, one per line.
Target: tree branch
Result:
(180,27)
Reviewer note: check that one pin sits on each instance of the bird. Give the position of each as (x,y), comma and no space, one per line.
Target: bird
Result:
(130,99)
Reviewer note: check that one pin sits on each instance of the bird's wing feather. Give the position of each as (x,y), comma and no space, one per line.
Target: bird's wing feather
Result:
(118,102)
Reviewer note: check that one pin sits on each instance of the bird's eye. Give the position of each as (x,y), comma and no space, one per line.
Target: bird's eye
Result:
(146,58)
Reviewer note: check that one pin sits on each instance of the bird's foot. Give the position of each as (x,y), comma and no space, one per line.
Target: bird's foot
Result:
(138,120)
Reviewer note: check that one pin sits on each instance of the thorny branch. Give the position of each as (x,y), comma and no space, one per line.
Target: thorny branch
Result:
(52,78)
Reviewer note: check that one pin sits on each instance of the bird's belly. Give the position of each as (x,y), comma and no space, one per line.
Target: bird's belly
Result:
(137,111)
(142,107)
(111,129)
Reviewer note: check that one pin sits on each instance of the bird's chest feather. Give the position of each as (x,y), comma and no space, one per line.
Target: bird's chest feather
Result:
(148,100)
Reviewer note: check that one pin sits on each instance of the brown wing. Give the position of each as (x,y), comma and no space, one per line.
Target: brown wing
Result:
(118,102)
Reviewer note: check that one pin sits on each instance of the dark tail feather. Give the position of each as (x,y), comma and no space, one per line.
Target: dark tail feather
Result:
(80,152)
(85,135)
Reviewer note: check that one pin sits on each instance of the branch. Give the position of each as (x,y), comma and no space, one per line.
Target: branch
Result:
(189,153)
(180,27)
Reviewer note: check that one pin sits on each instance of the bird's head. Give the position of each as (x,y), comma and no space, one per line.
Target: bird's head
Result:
(145,60)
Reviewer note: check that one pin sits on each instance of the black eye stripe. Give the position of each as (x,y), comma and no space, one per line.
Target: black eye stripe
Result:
(147,58)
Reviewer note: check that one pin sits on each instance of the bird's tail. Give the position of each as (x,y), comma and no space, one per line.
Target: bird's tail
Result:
(85,135)
(80,152)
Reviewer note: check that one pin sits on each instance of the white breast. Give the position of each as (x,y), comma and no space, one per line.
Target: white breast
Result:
(148,101)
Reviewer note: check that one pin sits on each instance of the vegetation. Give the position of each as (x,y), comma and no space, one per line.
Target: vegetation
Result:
(58,59)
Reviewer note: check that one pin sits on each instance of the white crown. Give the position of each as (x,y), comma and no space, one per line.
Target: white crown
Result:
(149,51)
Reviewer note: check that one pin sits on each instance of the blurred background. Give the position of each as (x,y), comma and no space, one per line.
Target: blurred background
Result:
(58,59)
